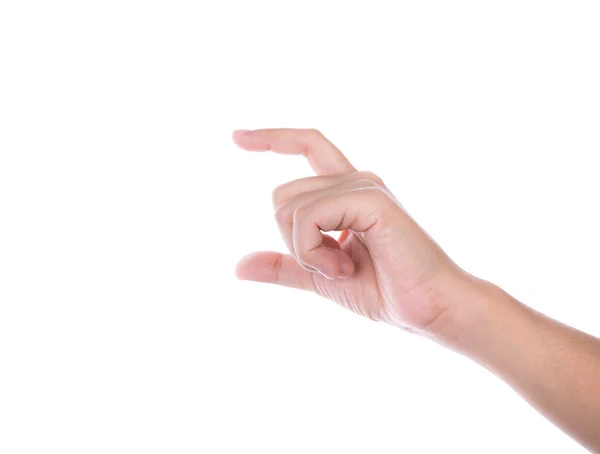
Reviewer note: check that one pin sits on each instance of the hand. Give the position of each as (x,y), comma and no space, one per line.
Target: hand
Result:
(383,266)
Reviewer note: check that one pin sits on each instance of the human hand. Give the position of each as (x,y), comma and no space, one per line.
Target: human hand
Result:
(383,266)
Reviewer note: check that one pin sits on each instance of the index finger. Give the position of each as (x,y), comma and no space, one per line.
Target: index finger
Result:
(323,156)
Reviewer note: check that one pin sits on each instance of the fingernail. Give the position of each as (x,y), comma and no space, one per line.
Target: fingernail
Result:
(241,131)
(342,276)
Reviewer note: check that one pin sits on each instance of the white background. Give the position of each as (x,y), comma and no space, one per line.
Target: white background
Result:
(124,207)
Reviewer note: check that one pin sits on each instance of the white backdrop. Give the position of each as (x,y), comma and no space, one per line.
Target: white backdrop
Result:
(124,207)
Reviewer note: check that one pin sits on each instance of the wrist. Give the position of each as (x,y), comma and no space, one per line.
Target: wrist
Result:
(478,314)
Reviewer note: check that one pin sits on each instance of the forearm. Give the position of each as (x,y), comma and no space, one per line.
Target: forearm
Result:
(554,367)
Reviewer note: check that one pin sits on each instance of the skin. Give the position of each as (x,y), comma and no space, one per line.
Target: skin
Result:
(385,267)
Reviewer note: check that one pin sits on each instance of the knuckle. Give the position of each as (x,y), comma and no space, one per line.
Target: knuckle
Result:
(282,214)
(378,194)
(364,183)
(299,214)
(316,133)
(277,196)
(373,177)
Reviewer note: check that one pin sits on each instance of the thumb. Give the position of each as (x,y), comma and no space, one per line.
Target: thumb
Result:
(274,268)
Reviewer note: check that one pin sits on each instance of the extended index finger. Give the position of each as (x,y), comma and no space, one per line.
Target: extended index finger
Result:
(323,156)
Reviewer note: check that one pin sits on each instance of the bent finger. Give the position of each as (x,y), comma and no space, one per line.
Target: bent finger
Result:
(358,210)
